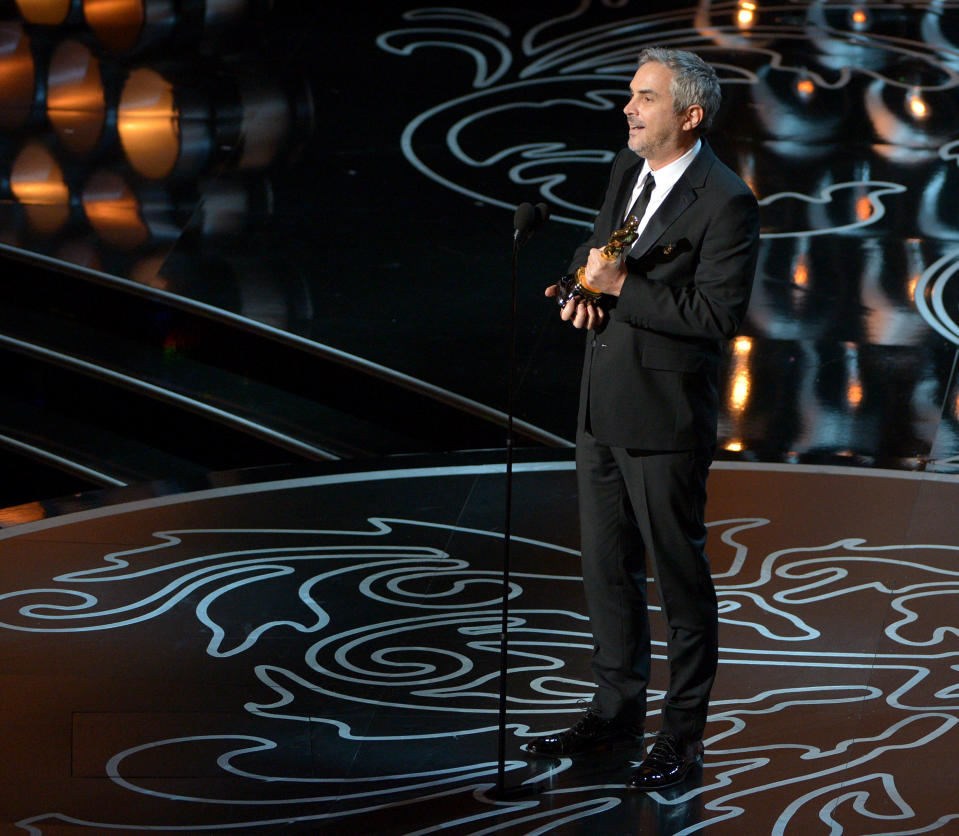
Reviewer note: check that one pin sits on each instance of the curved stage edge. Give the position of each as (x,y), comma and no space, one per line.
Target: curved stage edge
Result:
(292,651)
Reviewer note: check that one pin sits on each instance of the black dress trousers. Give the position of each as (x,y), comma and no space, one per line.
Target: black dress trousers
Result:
(639,508)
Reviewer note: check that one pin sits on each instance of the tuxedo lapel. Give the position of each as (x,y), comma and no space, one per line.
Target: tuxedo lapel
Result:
(677,201)
(672,207)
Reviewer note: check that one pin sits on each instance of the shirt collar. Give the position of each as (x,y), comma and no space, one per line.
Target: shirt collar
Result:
(667,176)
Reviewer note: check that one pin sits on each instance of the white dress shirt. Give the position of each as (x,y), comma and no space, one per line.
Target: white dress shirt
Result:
(665,178)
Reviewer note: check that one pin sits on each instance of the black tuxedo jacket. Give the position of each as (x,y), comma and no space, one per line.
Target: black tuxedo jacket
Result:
(650,375)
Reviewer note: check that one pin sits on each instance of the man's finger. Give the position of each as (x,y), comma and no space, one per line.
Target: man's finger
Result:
(592,318)
(582,314)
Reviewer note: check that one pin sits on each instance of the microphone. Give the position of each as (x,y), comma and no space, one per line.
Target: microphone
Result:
(523,219)
(527,220)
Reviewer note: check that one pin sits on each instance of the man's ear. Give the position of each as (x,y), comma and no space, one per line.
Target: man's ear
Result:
(694,115)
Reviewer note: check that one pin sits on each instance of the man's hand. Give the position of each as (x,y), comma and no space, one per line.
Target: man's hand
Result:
(580,313)
(606,276)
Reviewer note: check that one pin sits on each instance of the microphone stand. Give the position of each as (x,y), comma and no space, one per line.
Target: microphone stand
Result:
(525,222)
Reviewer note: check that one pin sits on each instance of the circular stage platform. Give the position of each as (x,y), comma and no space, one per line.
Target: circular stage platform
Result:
(319,653)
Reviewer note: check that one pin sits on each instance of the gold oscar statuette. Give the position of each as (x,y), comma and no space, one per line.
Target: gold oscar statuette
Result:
(575,286)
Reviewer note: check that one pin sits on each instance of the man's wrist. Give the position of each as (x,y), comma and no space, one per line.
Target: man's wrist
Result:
(617,284)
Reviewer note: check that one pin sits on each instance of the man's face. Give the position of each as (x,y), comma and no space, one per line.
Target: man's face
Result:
(656,132)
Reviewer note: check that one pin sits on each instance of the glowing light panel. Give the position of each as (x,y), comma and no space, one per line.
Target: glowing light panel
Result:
(37,182)
(114,211)
(149,123)
(116,23)
(76,105)
(47,12)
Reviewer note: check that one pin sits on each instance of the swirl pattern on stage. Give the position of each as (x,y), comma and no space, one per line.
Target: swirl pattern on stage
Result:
(385,638)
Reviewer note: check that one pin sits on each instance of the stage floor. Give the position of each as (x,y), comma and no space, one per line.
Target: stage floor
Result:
(318,652)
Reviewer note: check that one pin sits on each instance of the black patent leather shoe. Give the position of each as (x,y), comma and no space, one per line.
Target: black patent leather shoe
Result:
(591,734)
(668,763)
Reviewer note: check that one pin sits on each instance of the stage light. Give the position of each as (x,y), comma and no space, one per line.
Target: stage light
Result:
(734,446)
(46,12)
(39,185)
(125,25)
(115,212)
(859,18)
(741,375)
(799,295)
(120,24)
(17,76)
(739,397)
(913,120)
(746,14)
(169,128)
(76,100)
(150,126)
(854,392)
(796,106)
(917,105)
(801,271)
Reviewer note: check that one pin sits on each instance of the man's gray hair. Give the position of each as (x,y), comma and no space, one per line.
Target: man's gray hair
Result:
(694,81)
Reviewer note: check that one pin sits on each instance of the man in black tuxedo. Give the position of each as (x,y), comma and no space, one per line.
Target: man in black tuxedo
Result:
(648,411)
